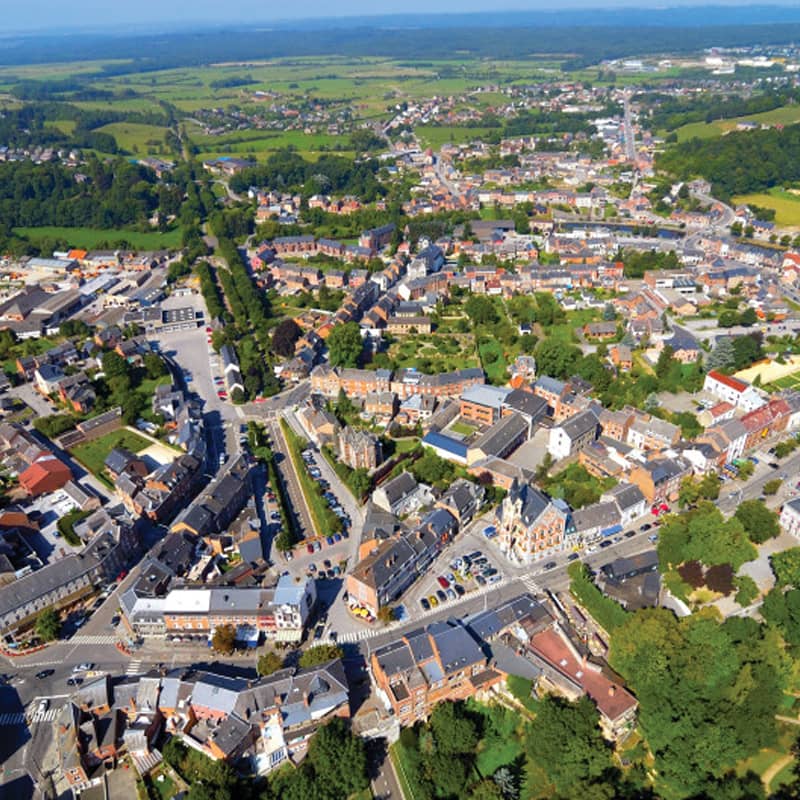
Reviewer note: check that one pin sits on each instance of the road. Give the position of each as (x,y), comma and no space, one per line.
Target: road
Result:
(630,142)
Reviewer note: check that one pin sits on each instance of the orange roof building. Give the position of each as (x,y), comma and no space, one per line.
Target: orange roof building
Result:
(47,474)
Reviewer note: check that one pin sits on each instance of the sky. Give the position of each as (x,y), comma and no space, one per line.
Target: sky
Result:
(61,14)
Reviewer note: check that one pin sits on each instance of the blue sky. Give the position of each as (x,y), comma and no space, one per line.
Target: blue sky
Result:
(55,14)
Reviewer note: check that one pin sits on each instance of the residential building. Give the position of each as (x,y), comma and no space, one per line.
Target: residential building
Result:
(393,564)
(659,479)
(790,517)
(531,525)
(573,435)
(430,665)
(359,449)
(738,393)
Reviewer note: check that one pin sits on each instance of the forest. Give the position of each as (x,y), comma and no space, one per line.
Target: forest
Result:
(669,112)
(739,163)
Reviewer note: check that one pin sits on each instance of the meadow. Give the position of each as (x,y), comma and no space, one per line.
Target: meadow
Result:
(786,204)
(137,138)
(89,238)
(785,115)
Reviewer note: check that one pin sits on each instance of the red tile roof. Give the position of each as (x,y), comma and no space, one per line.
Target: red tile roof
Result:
(611,699)
(727,380)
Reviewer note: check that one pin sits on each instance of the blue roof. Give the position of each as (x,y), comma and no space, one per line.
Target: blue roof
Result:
(442,442)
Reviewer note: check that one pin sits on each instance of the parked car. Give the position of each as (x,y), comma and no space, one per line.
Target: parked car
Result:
(629,534)
(426,606)
(45,673)
(573,557)
(443,582)
(329,540)
(84,667)
(432,601)
(550,565)
(605,543)
(441,595)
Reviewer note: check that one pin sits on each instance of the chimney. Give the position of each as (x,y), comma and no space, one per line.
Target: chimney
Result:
(305,699)
(612,690)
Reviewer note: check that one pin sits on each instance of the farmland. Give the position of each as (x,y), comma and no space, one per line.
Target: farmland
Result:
(785,203)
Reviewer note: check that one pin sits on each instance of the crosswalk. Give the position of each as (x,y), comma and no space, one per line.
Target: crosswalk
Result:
(134,667)
(9,719)
(44,716)
(531,585)
(89,639)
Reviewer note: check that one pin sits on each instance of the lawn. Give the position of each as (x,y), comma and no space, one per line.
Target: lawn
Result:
(93,454)
(785,115)
(92,237)
(462,428)
(786,204)
(435,136)
(137,138)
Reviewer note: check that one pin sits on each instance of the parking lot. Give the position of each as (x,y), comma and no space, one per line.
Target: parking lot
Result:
(465,565)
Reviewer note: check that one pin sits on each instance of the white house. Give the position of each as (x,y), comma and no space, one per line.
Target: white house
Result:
(572,435)
(790,517)
(733,391)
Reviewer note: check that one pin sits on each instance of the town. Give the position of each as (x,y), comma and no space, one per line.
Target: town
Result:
(435,437)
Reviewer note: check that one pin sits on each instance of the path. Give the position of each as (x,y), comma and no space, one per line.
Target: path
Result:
(773,770)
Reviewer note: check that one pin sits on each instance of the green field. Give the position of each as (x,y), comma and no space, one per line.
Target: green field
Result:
(93,454)
(785,115)
(92,237)
(136,138)
(786,204)
(435,136)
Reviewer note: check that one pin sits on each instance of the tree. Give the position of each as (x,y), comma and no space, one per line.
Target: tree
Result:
(487,789)
(114,365)
(7,341)
(339,761)
(359,482)
(564,741)
(320,654)
(285,336)
(481,310)
(268,663)
(556,359)
(386,614)
(224,639)
(432,469)
(48,625)
(719,578)
(664,363)
(686,674)
(454,730)
(771,487)
(345,345)
(154,366)
(746,590)
(727,318)
(723,355)
(747,350)
(786,566)
(609,312)
(748,317)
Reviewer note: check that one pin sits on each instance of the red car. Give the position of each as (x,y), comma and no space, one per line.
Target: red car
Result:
(260,400)
(664,508)
(655,511)
(122,575)
(208,329)
(443,582)
(309,548)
